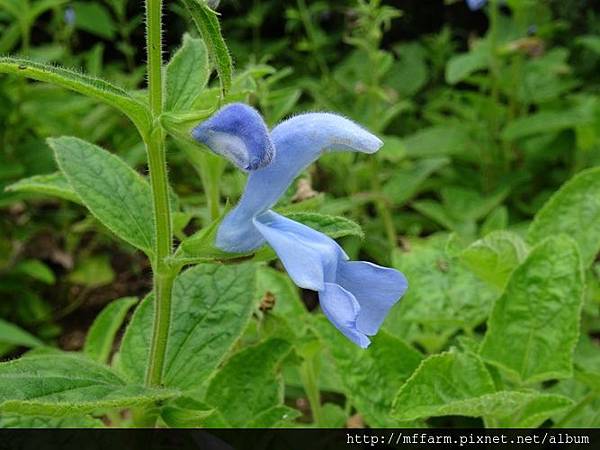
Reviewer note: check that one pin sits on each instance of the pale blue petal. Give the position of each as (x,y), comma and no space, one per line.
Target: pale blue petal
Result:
(238,133)
(310,257)
(375,288)
(474,5)
(298,141)
(356,296)
(342,310)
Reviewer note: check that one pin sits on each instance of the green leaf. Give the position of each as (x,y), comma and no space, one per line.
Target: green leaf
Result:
(279,416)
(441,385)
(101,335)
(60,384)
(207,22)
(211,307)
(95,19)
(436,141)
(575,211)
(14,335)
(440,290)
(454,383)
(54,184)
(585,413)
(528,409)
(288,303)
(201,245)
(436,212)
(409,73)
(405,183)
(495,221)
(460,66)
(248,384)
(534,326)
(37,270)
(371,378)
(185,412)
(545,122)
(469,205)
(187,74)
(20,421)
(114,193)
(93,271)
(590,42)
(494,257)
(333,226)
(89,86)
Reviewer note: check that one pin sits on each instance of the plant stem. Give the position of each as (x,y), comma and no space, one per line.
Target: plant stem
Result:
(308,373)
(157,166)
(154,52)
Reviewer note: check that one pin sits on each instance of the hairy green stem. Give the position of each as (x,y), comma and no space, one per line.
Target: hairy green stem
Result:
(157,166)
(154,52)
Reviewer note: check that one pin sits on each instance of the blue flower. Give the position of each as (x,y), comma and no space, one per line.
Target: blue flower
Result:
(69,15)
(354,295)
(474,5)
(238,133)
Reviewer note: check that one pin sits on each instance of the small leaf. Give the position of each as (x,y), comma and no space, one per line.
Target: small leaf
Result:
(54,184)
(185,412)
(211,307)
(371,378)
(441,289)
(494,257)
(201,246)
(14,335)
(187,74)
(575,211)
(441,385)
(37,270)
(454,383)
(95,19)
(275,417)
(440,140)
(585,413)
(545,122)
(288,303)
(101,335)
(534,326)
(333,226)
(460,66)
(60,384)
(528,409)
(405,183)
(93,271)
(249,375)
(92,87)
(207,22)
(114,193)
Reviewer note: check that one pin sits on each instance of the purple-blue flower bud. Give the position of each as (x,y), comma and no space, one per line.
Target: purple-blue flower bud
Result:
(474,5)
(238,133)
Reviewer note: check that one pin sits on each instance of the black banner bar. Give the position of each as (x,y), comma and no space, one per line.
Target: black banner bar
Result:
(295,439)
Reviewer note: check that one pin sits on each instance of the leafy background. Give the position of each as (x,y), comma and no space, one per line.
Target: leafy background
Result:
(486,195)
